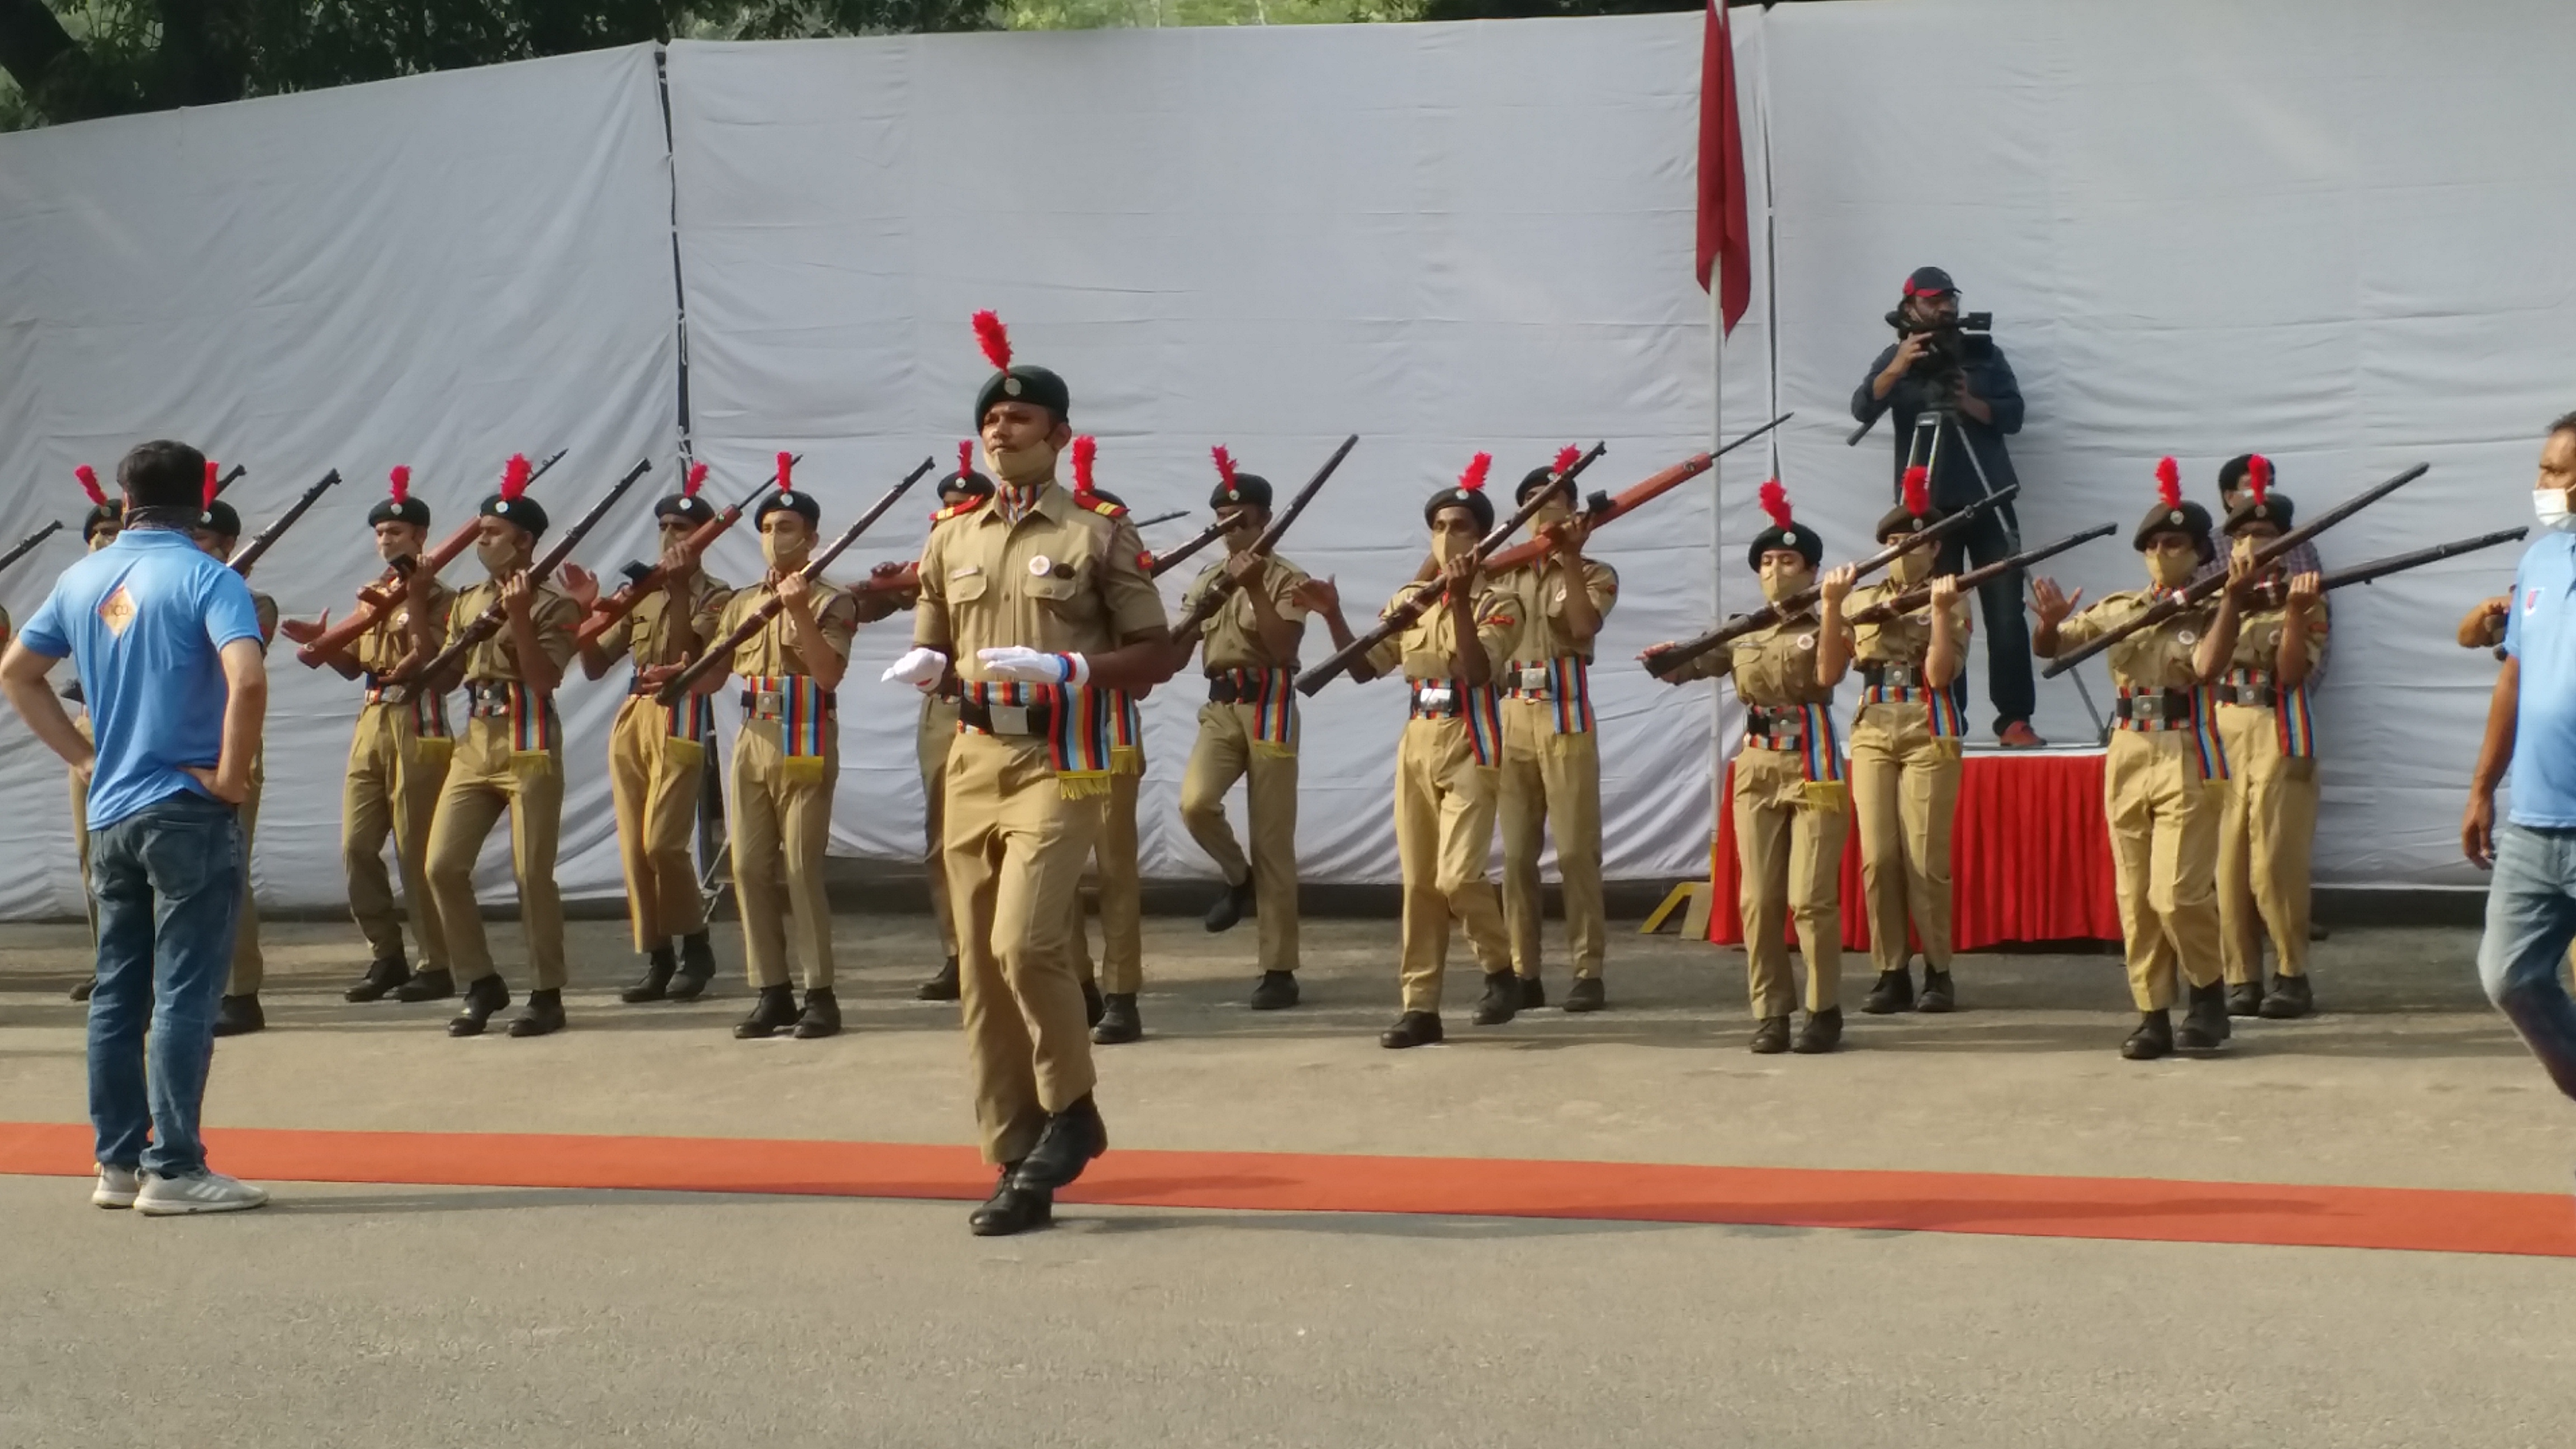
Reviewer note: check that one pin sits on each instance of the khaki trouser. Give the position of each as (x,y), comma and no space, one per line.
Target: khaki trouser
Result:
(1224,754)
(2164,859)
(482,782)
(2266,835)
(1789,852)
(1015,849)
(1905,789)
(937,731)
(392,790)
(249,967)
(1444,835)
(782,827)
(654,780)
(1551,780)
(1122,905)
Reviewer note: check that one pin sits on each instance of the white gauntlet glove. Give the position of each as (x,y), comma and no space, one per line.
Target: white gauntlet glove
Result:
(919,668)
(1034,666)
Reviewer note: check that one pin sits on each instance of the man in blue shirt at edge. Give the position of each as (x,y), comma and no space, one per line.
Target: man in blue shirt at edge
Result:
(2531,903)
(167,645)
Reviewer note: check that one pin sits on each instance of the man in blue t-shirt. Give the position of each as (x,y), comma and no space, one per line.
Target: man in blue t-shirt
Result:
(2531,728)
(167,645)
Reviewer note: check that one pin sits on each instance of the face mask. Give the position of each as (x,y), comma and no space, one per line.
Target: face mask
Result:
(1446,546)
(1551,514)
(1779,584)
(2172,570)
(1021,467)
(1911,569)
(772,548)
(2549,505)
(497,558)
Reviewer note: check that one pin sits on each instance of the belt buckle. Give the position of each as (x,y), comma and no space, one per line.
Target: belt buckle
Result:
(393,694)
(1008,719)
(768,703)
(1532,681)
(1438,698)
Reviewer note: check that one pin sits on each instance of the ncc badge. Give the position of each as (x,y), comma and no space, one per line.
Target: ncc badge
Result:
(1039,565)
(1806,641)
(2185,636)
(117,611)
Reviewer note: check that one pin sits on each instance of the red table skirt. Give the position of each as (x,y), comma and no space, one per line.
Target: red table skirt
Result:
(2030,858)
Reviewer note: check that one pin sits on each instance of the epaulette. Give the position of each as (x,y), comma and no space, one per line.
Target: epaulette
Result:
(960,508)
(1100,505)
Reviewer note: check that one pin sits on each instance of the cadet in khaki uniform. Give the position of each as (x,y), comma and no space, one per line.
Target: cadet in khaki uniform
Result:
(2267,831)
(786,761)
(1248,731)
(1905,765)
(99,528)
(1039,601)
(1791,811)
(238,1011)
(1551,776)
(398,757)
(657,754)
(935,732)
(508,757)
(2165,776)
(1447,764)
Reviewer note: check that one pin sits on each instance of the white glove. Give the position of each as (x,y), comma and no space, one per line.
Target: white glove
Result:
(1034,666)
(919,668)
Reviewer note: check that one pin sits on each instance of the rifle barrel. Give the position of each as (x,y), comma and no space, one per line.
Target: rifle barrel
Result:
(1222,586)
(2398,563)
(267,538)
(27,545)
(488,623)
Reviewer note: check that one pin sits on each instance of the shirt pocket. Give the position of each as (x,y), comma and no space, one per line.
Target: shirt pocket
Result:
(966,588)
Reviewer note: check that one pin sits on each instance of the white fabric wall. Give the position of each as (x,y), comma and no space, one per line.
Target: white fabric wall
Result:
(1444,238)
(2331,231)
(435,271)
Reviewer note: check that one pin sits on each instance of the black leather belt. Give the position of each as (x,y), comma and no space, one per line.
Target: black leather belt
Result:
(381,692)
(1010,721)
(1892,676)
(772,704)
(487,698)
(2257,696)
(1774,722)
(2158,707)
(1227,689)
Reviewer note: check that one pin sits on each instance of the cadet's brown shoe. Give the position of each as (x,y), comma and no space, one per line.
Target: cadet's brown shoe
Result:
(822,1015)
(773,1012)
(1938,994)
(1533,993)
(1275,991)
(542,1016)
(1119,1021)
(1893,993)
(2153,1038)
(1587,994)
(1413,1029)
(1770,1035)
(655,983)
(2204,1021)
(2245,998)
(2289,999)
(941,987)
(436,983)
(1823,1033)
(1502,999)
(697,968)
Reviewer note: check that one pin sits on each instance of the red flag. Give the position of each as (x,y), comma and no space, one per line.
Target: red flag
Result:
(1725,236)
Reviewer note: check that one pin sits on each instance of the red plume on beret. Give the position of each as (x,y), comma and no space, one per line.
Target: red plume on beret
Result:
(995,339)
(1775,502)
(1477,467)
(786,472)
(400,479)
(2258,478)
(1566,458)
(2169,483)
(965,458)
(1918,491)
(696,480)
(1085,448)
(212,486)
(1224,465)
(88,477)
(514,477)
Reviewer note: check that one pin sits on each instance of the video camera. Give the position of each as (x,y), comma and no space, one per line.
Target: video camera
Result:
(1954,342)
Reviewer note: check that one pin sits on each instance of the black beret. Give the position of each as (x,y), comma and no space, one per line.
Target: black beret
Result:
(2274,509)
(99,516)
(1471,499)
(524,511)
(1805,542)
(687,507)
(410,510)
(1901,520)
(804,505)
(1245,488)
(1024,384)
(1538,478)
(220,519)
(2186,517)
(972,484)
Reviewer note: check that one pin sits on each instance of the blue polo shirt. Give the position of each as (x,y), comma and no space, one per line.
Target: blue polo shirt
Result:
(145,620)
(2540,631)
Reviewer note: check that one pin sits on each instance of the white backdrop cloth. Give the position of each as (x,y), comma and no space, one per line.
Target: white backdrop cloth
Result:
(435,271)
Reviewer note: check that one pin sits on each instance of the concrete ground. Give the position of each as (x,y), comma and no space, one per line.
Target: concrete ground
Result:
(476,1316)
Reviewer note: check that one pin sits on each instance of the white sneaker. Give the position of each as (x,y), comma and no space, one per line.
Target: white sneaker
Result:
(116,1187)
(206,1192)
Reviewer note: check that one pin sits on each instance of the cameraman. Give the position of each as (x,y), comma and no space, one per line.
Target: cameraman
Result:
(1934,358)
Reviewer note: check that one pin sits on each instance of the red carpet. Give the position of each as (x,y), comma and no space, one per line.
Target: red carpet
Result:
(2134,1209)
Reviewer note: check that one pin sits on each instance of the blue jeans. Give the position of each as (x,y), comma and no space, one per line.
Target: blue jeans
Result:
(2531,917)
(167,881)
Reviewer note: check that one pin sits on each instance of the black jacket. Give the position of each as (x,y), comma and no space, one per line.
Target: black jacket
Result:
(1954,482)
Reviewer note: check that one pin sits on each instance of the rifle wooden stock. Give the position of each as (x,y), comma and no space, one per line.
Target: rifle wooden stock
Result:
(1665,664)
(719,655)
(2398,563)
(2165,608)
(27,545)
(604,615)
(1222,586)
(1625,502)
(1916,598)
(267,538)
(387,591)
(488,623)
(1402,616)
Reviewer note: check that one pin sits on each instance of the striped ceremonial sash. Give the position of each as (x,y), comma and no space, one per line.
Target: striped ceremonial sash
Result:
(1126,734)
(1568,690)
(532,720)
(1822,755)
(1479,707)
(1079,733)
(1940,710)
(2208,749)
(2297,726)
(804,712)
(429,716)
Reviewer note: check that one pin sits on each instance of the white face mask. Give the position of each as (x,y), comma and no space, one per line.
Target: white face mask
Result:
(2549,505)
(1021,467)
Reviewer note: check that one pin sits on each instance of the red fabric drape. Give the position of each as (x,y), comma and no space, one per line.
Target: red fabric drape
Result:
(2030,858)
(1725,229)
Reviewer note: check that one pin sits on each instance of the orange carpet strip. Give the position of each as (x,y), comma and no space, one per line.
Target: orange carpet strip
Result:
(2128,1209)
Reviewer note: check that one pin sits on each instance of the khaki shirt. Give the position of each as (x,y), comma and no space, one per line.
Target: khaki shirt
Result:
(774,650)
(1906,639)
(1531,601)
(2258,638)
(1231,636)
(646,632)
(1429,649)
(388,639)
(1775,667)
(496,658)
(2158,658)
(1064,578)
